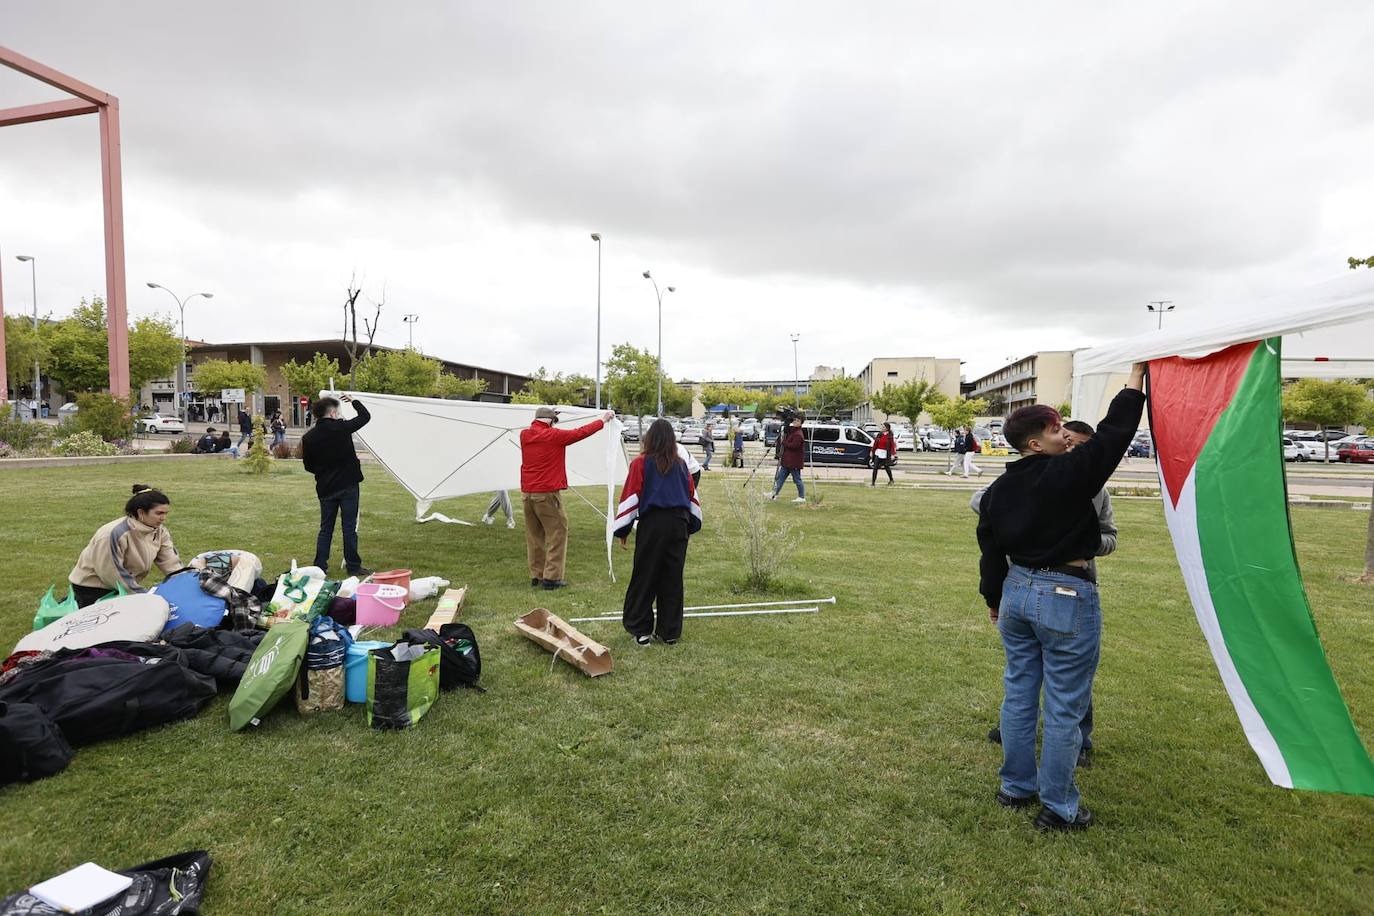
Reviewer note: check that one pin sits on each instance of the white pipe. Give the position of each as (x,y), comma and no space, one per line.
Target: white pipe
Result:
(789,610)
(720,607)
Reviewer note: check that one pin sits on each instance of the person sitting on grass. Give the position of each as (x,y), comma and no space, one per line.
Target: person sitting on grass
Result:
(1039,516)
(122,552)
(207,444)
(658,492)
(224,443)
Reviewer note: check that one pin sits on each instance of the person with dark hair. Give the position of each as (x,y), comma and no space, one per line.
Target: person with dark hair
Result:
(328,453)
(543,475)
(245,427)
(1037,532)
(658,492)
(791,460)
(224,443)
(884,448)
(278,429)
(1076,432)
(124,551)
(208,443)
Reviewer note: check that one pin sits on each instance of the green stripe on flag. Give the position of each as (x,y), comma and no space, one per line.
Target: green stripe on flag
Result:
(1261,607)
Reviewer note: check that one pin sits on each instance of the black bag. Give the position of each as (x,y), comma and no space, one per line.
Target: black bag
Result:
(173,886)
(460,664)
(31,746)
(111,690)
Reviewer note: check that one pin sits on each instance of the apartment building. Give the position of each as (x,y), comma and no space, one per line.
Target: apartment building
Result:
(1044,377)
(944,374)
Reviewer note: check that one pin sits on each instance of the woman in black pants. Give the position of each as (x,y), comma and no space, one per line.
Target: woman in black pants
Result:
(884,450)
(660,493)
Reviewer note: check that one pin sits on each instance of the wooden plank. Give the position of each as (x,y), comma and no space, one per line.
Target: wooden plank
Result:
(450,605)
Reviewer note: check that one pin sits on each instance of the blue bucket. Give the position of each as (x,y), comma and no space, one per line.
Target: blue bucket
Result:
(355,670)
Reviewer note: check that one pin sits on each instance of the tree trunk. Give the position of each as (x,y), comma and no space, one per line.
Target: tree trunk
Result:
(1369,544)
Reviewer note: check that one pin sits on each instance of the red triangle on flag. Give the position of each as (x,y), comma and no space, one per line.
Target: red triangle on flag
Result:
(1187,396)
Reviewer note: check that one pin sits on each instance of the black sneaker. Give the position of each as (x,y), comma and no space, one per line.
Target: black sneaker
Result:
(1048,820)
(551,584)
(362,572)
(1085,758)
(995,734)
(642,640)
(534,581)
(1007,800)
(666,642)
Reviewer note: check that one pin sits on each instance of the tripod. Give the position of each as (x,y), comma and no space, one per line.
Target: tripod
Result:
(757,464)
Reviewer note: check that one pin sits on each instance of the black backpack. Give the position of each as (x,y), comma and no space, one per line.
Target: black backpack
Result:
(460,664)
(174,886)
(31,746)
(113,689)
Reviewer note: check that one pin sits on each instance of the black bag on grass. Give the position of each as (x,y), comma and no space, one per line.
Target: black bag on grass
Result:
(31,746)
(460,664)
(402,683)
(174,886)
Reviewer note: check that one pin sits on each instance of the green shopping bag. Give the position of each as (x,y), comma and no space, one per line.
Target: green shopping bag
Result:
(402,683)
(271,672)
(50,609)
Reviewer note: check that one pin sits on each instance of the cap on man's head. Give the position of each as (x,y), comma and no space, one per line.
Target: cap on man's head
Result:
(546,413)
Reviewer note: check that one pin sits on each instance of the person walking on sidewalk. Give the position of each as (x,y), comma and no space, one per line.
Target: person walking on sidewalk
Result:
(658,492)
(708,446)
(883,451)
(543,475)
(278,429)
(245,427)
(792,460)
(328,453)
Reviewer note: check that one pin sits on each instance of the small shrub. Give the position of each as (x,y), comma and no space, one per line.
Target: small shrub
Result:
(85,444)
(7,450)
(183,446)
(258,460)
(105,415)
(750,531)
(298,450)
(283,451)
(25,436)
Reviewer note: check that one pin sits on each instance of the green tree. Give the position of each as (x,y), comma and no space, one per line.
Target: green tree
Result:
(313,376)
(458,389)
(1065,409)
(909,399)
(1360,262)
(1327,403)
(154,350)
(729,395)
(259,460)
(79,348)
(834,395)
(677,400)
(951,413)
(104,415)
(766,403)
(22,345)
(632,380)
(214,375)
(556,388)
(404,372)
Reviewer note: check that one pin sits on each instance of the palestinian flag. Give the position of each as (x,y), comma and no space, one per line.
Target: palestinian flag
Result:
(1217,428)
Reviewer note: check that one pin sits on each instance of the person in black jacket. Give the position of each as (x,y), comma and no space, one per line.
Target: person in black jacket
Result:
(327,448)
(1038,531)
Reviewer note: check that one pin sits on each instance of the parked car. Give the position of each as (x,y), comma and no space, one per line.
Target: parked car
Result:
(1314,450)
(1290,449)
(1358,452)
(750,428)
(837,443)
(157,423)
(939,440)
(906,442)
(771,430)
(720,430)
(1142,446)
(630,429)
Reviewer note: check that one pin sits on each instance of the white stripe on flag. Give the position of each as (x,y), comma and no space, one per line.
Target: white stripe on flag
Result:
(1183,527)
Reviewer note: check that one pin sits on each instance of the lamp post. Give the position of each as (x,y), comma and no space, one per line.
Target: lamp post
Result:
(1159,307)
(37,380)
(410,320)
(596,237)
(796,373)
(659,293)
(180,380)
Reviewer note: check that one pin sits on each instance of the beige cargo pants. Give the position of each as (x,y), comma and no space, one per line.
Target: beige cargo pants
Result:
(546,534)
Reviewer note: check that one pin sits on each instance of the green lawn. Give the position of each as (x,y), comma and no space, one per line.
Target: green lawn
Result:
(834,763)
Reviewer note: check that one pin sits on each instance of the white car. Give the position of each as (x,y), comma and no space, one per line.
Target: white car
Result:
(720,431)
(157,423)
(1312,450)
(1290,450)
(906,442)
(940,440)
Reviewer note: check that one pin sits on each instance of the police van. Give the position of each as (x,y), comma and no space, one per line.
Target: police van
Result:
(838,443)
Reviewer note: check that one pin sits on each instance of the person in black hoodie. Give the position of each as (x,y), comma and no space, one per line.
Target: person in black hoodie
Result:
(327,448)
(1038,531)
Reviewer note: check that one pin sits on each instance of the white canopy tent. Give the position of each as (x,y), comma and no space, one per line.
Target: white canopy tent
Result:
(1345,302)
(441,449)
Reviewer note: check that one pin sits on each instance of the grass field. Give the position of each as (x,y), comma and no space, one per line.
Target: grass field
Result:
(833,763)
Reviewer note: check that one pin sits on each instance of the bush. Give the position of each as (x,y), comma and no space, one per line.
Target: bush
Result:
(7,450)
(84,444)
(105,415)
(183,446)
(283,451)
(298,450)
(764,545)
(26,436)
(258,460)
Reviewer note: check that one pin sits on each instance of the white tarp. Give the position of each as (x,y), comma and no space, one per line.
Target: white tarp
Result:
(441,449)
(1343,301)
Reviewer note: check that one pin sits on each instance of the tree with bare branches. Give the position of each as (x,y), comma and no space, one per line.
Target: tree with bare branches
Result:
(357,348)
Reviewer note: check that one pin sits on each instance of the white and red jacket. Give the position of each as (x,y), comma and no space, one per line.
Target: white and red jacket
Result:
(646,489)
(885,441)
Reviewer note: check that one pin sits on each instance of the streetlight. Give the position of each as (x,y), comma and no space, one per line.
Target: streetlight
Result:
(1158,306)
(37,381)
(796,373)
(659,293)
(410,320)
(180,380)
(596,237)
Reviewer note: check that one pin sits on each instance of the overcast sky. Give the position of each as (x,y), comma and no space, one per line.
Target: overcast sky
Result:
(884,179)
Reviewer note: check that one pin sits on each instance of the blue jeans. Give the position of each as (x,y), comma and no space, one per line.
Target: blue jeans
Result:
(343,503)
(781,476)
(1051,626)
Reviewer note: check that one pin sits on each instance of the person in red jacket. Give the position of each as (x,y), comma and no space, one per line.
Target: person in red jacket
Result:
(884,450)
(543,474)
(792,461)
